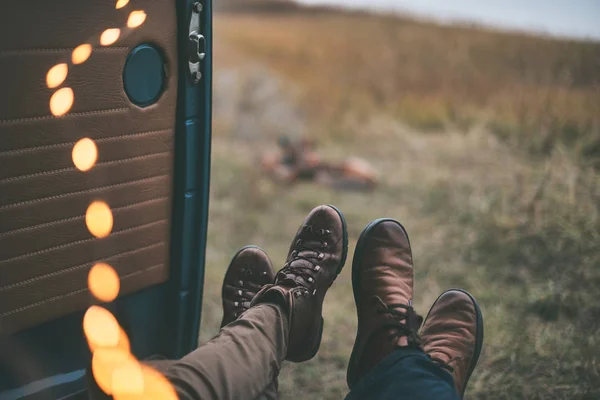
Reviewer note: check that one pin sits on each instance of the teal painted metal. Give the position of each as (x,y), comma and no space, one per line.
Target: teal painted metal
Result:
(191,183)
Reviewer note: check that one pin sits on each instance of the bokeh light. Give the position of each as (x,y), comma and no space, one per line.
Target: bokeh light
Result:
(81,53)
(61,101)
(127,380)
(84,154)
(99,219)
(103,282)
(104,363)
(115,369)
(109,36)
(57,75)
(123,343)
(136,18)
(121,3)
(156,386)
(101,328)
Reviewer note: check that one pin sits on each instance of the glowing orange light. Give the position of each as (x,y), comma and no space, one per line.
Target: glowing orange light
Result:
(121,3)
(156,386)
(61,101)
(127,380)
(109,36)
(104,363)
(101,327)
(81,53)
(123,343)
(57,75)
(99,219)
(103,282)
(136,18)
(84,154)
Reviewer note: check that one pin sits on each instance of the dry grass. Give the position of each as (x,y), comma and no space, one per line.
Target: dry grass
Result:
(535,92)
(520,232)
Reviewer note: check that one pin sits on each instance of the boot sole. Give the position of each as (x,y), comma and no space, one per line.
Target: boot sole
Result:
(478,334)
(358,256)
(341,266)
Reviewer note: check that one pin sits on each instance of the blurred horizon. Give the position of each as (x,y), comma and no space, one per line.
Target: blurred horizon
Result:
(560,18)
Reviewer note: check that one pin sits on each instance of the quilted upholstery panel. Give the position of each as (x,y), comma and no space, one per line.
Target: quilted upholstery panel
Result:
(46,250)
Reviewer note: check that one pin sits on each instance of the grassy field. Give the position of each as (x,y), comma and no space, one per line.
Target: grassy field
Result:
(487,144)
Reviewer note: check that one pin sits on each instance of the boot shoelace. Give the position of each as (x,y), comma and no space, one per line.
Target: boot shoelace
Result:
(308,250)
(406,313)
(246,290)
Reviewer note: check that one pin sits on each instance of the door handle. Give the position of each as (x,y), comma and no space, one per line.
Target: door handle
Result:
(196,44)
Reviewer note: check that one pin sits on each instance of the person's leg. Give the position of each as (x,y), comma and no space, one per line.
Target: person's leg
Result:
(387,361)
(405,374)
(284,320)
(240,363)
(249,270)
(382,281)
(452,338)
(246,356)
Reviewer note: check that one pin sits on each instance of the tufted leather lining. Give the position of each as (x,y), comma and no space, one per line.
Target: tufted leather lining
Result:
(45,248)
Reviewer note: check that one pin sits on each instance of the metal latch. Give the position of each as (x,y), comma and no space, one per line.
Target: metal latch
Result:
(196,44)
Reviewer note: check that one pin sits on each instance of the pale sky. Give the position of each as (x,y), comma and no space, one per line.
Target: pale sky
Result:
(572,18)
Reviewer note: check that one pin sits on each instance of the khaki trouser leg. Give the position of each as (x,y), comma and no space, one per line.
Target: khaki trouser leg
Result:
(241,362)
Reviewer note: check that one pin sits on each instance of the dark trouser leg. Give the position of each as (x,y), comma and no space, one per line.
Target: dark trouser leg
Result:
(409,374)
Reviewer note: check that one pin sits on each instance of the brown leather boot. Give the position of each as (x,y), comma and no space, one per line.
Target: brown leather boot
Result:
(382,279)
(249,270)
(452,335)
(316,257)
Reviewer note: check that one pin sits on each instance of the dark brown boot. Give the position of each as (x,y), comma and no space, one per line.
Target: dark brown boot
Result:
(249,270)
(315,258)
(452,335)
(382,279)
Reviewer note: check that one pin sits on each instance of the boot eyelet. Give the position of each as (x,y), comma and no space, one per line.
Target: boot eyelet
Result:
(311,280)
(317,268)
(296,294)
(324,245)
(240,292)
(314,292)
(236,304)
(241,283)
(299,242)
(294,253)
(321,256)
